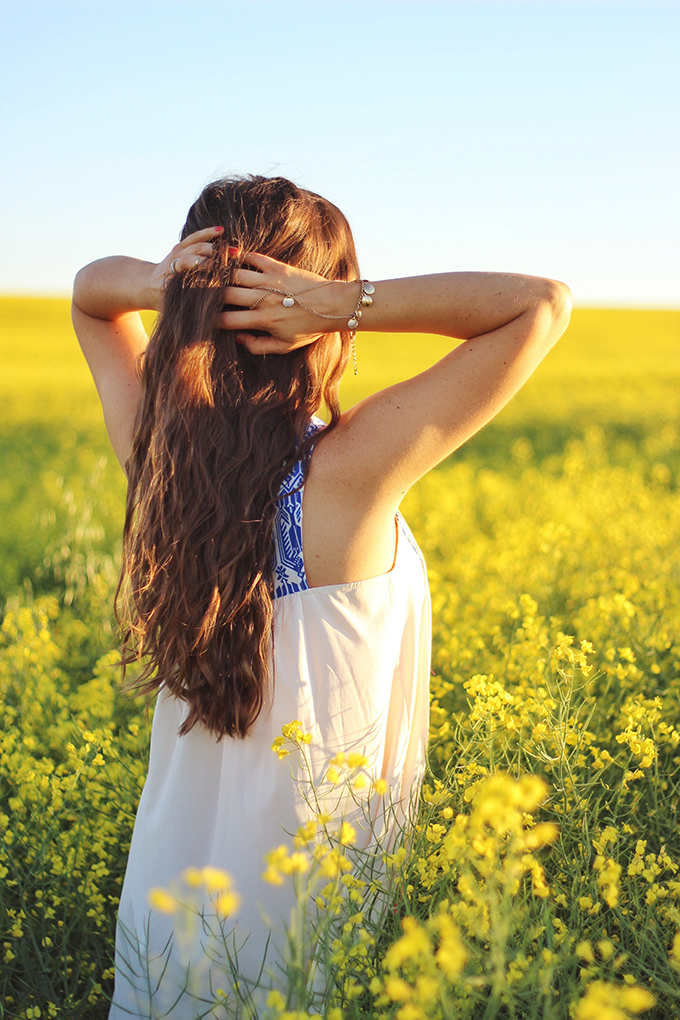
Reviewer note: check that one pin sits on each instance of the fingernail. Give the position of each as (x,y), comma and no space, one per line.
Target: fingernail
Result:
(218,230)
(232,252)
(240,342)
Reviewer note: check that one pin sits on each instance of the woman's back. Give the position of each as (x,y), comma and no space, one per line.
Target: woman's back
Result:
(351,662)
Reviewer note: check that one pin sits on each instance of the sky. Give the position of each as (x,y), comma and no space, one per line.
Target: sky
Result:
(539,138)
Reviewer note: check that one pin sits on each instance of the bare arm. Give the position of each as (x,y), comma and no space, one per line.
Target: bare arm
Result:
(107,298)
(385,443)
(509,324)
(112,338)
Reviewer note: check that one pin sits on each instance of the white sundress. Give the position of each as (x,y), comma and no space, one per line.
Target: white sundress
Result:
(351,662)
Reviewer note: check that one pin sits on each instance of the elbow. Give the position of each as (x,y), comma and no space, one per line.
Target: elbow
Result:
(77,288)
(559,298)
(557,304)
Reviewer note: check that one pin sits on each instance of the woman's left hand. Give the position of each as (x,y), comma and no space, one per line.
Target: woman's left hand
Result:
(186,255)
(287,327)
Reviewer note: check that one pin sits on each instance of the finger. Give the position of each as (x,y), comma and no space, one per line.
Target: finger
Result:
(183,263)
(239,321)
(261,262)
(207,234)
(242,296)
(262,344)
(248,278)
(203,248)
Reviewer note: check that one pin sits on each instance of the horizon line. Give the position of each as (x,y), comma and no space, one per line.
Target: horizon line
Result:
(578,305)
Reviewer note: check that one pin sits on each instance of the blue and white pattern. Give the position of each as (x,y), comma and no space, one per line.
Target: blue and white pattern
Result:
(289,565)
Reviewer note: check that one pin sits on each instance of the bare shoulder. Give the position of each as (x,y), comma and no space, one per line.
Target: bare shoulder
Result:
(359,465)
(384,444)
(348,533)
(339,457)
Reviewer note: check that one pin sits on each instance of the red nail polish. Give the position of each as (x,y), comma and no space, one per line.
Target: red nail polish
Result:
(239,342)
(218,230)
(232,252)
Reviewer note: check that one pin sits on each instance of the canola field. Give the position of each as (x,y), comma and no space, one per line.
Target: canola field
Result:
(543,876)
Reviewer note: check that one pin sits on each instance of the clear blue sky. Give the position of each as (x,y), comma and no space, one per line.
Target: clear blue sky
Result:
(540,138)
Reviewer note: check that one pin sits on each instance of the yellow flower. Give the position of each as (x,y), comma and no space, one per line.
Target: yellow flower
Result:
(297,863)
(161,900)
(290,729)
(272,876)
(605,1001)
(275,1000)
(637,999)
(398,989)
(585,952)
(541,835)
(275,861)
(414,942)
(606,949)
(452,954)
(332,863)
(608,879)
(306,833)
(215,880)
(227,903)
(347,834)
(396,860)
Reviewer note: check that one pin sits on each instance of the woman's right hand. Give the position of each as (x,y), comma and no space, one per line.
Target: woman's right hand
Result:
(258,299)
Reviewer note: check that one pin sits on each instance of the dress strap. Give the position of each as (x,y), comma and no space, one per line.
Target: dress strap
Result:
(289,565)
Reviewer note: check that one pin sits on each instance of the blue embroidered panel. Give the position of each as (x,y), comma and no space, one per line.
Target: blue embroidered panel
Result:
(289,566)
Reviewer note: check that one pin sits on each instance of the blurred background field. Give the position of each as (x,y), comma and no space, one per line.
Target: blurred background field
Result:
(553,548)
(613,364)
(616,369)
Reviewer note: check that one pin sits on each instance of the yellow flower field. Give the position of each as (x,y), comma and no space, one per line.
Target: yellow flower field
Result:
(542,879)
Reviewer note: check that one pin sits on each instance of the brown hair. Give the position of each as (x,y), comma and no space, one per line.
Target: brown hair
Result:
(217,431)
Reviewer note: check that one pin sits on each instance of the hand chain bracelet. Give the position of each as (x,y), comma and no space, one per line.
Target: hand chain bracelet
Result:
(289,298)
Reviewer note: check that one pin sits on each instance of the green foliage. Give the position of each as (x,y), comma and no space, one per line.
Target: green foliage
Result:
(553,544)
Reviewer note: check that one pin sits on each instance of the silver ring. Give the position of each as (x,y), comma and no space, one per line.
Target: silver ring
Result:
(172,265)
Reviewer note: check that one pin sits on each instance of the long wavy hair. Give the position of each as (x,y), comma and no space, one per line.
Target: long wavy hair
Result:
(216,433)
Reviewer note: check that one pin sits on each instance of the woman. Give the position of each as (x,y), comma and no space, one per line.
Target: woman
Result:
(243,621)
